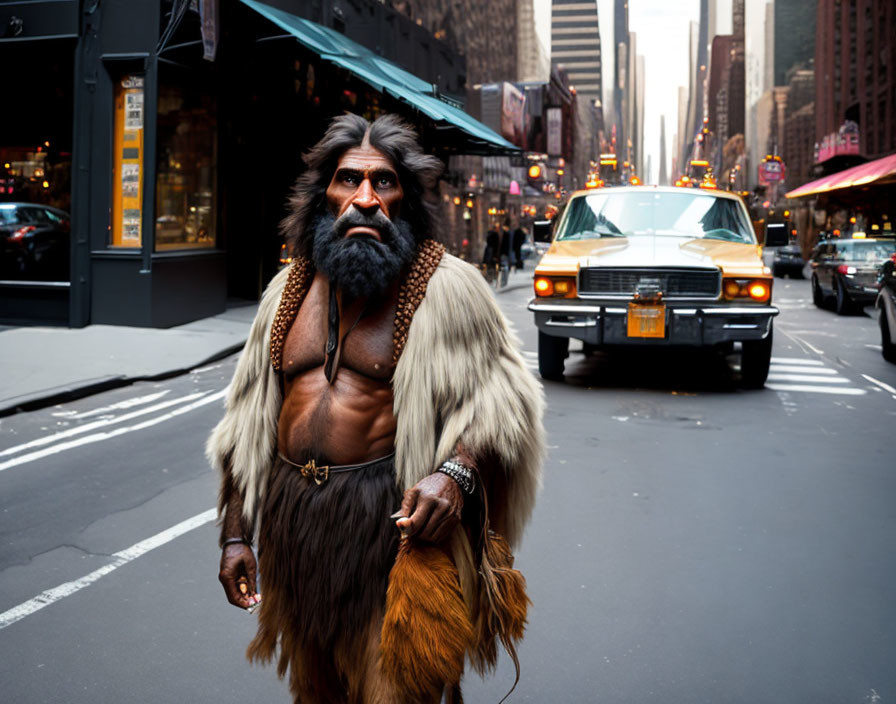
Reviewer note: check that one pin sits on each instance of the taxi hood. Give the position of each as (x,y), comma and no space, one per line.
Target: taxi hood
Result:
(652,251)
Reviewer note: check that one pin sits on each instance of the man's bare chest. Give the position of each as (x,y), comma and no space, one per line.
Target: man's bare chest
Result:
(365,339)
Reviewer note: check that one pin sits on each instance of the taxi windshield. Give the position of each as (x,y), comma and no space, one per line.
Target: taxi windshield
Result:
(633,214)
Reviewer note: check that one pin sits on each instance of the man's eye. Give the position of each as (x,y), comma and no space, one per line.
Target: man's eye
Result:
(351,180)
(385,182)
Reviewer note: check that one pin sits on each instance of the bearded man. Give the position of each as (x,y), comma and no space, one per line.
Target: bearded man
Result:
(379,374)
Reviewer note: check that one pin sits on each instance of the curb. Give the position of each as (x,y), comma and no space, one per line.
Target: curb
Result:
(90,387)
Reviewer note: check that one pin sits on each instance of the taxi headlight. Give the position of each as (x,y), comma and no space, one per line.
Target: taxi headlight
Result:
(556,286)
(754,289)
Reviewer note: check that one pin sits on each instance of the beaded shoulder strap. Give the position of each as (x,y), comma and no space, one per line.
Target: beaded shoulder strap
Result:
(412,290)
(298,282)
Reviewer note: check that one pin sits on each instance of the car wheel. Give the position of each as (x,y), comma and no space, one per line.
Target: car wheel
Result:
(755,359)
(842,303)
(776,272)
(888,348)
(552,352)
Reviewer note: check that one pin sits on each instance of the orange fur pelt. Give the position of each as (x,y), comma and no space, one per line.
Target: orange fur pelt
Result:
(427,628)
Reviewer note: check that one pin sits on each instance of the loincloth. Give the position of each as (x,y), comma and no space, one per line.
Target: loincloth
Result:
(325,552)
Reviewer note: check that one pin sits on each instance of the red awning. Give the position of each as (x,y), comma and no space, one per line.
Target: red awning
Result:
(861,175)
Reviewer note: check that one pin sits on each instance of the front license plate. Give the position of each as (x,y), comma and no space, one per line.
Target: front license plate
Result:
(646,320)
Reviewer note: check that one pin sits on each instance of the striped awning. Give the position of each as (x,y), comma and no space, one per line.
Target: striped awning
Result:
(879,171)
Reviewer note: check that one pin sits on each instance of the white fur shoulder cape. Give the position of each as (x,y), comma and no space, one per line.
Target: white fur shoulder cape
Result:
(460,379)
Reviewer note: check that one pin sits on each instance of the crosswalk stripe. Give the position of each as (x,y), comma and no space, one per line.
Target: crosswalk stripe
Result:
(797,360)
(821,371)
(842,391)
(809,378)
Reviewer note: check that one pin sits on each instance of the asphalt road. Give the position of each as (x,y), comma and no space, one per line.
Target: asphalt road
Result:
(694,542)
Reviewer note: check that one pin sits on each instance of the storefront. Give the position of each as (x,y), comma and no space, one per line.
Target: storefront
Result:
(39,40)
(176,143)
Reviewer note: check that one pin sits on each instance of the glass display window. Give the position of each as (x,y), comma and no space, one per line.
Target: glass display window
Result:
(186,164)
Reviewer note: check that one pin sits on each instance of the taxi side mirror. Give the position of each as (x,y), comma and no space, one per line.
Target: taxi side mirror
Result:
(542,230)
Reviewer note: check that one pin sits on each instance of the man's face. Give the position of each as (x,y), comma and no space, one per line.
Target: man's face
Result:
(366,180)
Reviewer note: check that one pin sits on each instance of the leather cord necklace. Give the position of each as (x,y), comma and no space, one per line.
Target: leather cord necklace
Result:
(333,351)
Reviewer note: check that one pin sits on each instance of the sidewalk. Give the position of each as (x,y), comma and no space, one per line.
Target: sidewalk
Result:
(43,365)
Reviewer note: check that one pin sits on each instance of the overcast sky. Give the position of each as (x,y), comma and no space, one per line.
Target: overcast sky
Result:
(662,37)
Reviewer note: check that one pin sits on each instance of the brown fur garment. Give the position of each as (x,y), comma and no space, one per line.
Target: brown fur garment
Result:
(427,628)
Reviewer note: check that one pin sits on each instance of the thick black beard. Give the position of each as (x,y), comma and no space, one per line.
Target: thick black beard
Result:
(361,267)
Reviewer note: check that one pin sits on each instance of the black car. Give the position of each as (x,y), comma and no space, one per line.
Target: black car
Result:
(846,270)
(34,242)
(886,308)
(788,261)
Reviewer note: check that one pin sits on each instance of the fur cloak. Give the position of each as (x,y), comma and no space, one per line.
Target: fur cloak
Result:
(460,379)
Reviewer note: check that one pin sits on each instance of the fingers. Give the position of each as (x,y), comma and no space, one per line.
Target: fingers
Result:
(427,516)
(418,520)
(237,575)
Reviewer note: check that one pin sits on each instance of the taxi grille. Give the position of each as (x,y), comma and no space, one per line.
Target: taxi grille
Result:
(674,283)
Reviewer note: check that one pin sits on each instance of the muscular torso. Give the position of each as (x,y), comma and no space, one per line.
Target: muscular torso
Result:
(350,420)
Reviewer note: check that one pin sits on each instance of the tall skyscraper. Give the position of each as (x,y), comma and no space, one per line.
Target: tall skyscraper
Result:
(575,47)
(794,37)
(533,60)
(621,77)
(662,178)
(575,44)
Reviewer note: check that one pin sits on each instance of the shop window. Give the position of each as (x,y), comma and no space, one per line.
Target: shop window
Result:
(186,188)
(35,160)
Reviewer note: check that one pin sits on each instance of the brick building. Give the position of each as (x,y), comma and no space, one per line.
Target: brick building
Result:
(855,65)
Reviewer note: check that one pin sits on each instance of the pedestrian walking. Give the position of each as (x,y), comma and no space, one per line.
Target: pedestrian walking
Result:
(519,237)
(382,441)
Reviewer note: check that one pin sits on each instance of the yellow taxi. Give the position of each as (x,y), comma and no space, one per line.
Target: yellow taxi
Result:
(654,266)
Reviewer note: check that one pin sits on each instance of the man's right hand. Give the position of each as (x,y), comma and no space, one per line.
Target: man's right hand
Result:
(237,575)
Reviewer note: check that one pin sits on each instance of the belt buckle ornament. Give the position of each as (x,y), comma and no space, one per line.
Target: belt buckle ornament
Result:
(318,474)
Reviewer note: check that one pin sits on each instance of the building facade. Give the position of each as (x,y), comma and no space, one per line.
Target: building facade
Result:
(486,34)
(175,140)
(855,69)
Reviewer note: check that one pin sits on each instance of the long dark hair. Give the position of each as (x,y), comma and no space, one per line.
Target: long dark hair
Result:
(417,172)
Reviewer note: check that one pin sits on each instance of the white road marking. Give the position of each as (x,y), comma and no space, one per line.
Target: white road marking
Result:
(848,391)
(129,403)
(821,371)
(81,429)
(797,360)
(885,387)
(51,596)
(808,377)
(98,437)
(801,342)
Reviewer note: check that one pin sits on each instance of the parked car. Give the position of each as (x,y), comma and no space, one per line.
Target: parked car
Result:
(788,261)
(654,266)
(34,242)
(886,308)
(845,270)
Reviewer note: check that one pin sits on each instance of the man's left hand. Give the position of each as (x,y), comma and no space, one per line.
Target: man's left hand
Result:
(431,508)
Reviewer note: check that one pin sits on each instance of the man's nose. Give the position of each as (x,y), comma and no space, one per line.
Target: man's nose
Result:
(365,198)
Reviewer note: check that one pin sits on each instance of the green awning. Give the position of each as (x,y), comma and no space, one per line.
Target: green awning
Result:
(384,76)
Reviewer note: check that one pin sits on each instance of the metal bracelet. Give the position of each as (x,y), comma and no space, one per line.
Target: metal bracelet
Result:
(461,474)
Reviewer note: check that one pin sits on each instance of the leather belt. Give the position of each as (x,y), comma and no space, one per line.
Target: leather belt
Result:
(320,473)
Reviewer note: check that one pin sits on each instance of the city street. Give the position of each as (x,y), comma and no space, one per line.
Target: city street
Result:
(693,541)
